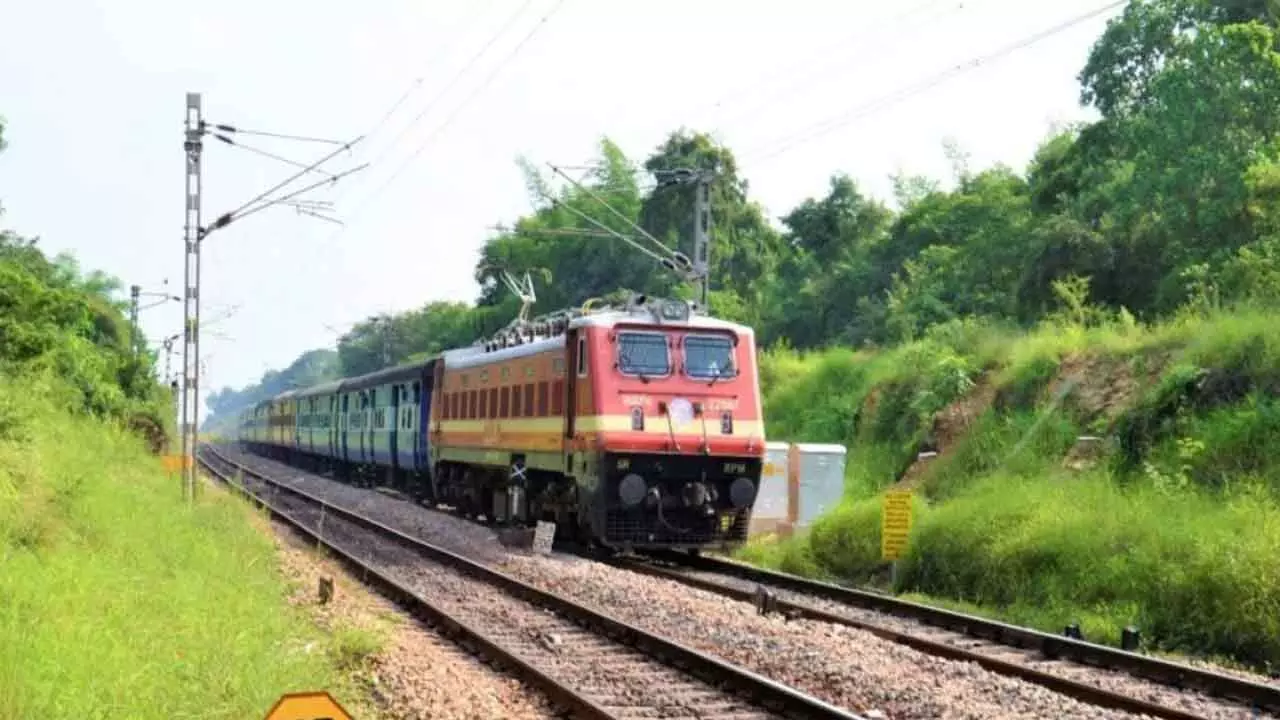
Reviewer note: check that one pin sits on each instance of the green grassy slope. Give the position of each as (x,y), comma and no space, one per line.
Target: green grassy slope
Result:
(1169,521)
(117,599)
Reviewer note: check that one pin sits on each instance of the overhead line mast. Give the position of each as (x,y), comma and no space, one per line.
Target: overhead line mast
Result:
(194,234)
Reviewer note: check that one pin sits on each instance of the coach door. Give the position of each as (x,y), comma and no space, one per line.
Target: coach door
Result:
(370,428)
(433,384)
(332,425)
(394,426)
(345,430)
(575,348)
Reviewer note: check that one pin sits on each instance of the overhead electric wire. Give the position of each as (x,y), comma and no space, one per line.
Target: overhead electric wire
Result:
(625,238)
(227,218)
(281,136)
(459,108)
(266,204)
(466,67)
(616,213)
(414,86)
(271,155)
(822,128)
(797,80)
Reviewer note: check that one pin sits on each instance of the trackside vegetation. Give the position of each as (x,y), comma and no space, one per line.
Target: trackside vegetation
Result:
(1110,475)
(117,599)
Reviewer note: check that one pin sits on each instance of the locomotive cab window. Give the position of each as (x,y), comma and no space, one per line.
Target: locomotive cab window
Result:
(709,357)
(644,354)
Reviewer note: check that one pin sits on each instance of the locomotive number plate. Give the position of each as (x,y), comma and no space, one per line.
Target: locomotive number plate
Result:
(735,468)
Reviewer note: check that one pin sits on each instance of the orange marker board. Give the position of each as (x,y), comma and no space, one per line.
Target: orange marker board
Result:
(174,463)
(307,706)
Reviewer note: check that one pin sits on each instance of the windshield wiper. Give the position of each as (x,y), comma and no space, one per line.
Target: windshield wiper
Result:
(728,371)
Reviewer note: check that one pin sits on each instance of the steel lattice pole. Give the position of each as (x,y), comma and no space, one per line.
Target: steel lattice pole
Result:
(193,144)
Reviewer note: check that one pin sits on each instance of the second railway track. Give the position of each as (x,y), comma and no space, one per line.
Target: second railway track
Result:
(596,666)
(1092,673)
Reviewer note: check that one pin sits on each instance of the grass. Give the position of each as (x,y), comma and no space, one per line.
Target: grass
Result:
(118,600)
(1174,529)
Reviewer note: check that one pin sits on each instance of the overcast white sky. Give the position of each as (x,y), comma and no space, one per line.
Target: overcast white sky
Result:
(93,94)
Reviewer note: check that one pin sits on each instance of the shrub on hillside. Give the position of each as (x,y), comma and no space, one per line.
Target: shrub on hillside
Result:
(1186,413)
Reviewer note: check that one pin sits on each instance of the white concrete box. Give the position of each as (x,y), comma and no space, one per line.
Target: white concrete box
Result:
(820,469)
(772,501)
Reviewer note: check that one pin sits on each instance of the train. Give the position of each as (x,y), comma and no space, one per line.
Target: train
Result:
(630,426)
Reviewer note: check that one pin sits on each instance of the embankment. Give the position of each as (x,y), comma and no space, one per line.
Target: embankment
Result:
(1112,476)
(119,599)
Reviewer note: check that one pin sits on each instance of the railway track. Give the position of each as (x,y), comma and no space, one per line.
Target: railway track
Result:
(1073,667)
(594,665)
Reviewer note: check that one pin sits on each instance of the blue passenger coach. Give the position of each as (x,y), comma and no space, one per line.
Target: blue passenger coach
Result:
(372,427)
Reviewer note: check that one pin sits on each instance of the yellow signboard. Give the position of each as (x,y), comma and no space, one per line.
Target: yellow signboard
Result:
(307,706)
(895,523)
(174,463)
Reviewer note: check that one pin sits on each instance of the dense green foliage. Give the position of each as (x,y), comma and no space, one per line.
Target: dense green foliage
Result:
(1169,523)
(58,321)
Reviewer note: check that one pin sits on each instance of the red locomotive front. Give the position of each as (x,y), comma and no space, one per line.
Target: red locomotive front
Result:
(670,412)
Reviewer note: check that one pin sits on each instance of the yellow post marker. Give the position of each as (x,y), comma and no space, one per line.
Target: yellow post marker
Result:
(175,463)
(895,523)
(307,706)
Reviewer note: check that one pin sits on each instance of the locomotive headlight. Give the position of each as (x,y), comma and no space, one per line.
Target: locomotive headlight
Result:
(676,310)
(742,492)
(631,490)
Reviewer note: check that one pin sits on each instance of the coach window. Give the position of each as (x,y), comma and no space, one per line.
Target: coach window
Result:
(417,392)
(709,357)
(582,357)
(504,407)
(557,397)
(493,402)
(643,354)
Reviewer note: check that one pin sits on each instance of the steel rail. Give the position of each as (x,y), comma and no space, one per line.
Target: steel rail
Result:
(767,693)
(1053,647)
(415,604)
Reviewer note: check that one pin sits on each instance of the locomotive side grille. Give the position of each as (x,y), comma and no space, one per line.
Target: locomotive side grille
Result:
(643,528)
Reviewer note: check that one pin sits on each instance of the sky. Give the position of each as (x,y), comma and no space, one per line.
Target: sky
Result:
(93,96)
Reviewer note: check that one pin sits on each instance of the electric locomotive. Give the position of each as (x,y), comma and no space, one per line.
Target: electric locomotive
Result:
(631,427)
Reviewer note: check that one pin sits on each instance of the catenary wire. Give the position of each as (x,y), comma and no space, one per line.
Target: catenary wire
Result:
(457,110)
(779,147)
